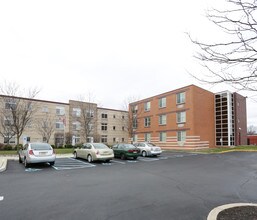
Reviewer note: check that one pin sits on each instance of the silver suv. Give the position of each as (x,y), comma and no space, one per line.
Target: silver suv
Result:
(148,149)
(36,153)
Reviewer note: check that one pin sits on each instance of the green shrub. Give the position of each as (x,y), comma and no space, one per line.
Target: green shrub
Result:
(8,147)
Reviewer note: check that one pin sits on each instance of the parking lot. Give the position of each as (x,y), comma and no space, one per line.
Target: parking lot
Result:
(172,186)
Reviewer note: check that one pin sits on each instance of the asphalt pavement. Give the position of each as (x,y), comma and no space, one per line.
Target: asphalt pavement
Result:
(175,186)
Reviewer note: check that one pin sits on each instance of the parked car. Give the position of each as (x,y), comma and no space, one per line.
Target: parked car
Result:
(148,149)
(124,151)
(32,153)
(94,151)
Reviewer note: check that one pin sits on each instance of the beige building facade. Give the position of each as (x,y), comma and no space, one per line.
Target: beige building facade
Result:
(59,123)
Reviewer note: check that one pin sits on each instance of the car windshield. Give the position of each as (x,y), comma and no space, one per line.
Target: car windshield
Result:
(151,144)
(41,146)
(128,146)
(100,146)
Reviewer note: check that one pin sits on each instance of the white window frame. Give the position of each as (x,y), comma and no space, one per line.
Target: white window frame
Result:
(148,137)
(181,98)
(181,117)
(76,112)
(147,122)
(181,136)
(162,119)
(163,136)
(162,102)
(147,106)
(60,110)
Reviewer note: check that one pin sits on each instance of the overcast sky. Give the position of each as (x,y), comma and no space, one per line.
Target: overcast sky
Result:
(113,49)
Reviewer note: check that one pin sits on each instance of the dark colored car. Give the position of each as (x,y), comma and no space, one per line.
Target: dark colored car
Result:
(124,151)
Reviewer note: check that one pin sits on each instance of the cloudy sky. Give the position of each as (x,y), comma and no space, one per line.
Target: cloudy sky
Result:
(113,49)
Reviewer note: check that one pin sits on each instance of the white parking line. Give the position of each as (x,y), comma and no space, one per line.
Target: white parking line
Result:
(1,198)
(147,159)
(116,161)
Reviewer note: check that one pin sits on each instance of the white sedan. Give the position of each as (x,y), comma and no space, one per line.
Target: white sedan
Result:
(148,149)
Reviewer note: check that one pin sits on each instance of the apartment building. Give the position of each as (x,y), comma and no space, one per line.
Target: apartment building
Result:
(112,125)
(61,123)
(190,117)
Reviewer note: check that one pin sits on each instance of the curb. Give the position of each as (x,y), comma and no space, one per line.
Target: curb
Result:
(3,164)
(214,213)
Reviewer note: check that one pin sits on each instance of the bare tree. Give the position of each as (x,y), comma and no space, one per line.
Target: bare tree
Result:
(251,130)
(132,120)
(233,60)
(45,127)
(17,109)
(85,113)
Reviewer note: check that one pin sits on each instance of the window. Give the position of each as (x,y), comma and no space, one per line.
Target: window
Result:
(45,109)
(181,135)
(60,111)
(147,137)
(134,123)
(59,125)
(8,121)
(76,126)
(134,109)
(114,116)
(104,138)
(162,102)
(147,106)
(163,136)
(11,140)
(181,98)
(104,126)
(162,120)
(123,128)
(104,115)
(90,127)
(123,139)
(114,128)
(123,117)
(10,104)
(147,122)
(90,113)
(114,140)
(76,112)
(135,137)
(181,117)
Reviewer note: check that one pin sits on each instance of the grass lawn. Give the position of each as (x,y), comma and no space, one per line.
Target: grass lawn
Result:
(222,149)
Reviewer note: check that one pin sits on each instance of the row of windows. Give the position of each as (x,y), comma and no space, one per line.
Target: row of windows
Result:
(105,115)
(104,139)
(180,99)
(181,136)
(104,127)
(181,118)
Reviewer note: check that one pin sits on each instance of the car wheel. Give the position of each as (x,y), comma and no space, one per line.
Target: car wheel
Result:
(26,163)
(144,154)
(51,163)
(107,161)
(20,161)
(89,158)
(134,158)
(75,155)
(122,156)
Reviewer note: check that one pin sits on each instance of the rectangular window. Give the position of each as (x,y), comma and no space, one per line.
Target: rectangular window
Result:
(45,109)
(181,98)
(123,128)
(135,138)
(147,106)
(76,126)
(181,117)
(147,137)
(134,109)
(134,124)
(114,128)
(147,122)
(104,115)
(76,112)
(181,135)
(114,116)
(104,126)
(59,125)
(90,113)
(11,140)
(163,136)
(104,138)
(10,104)
(162,120)
(162,102)
(60,111)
